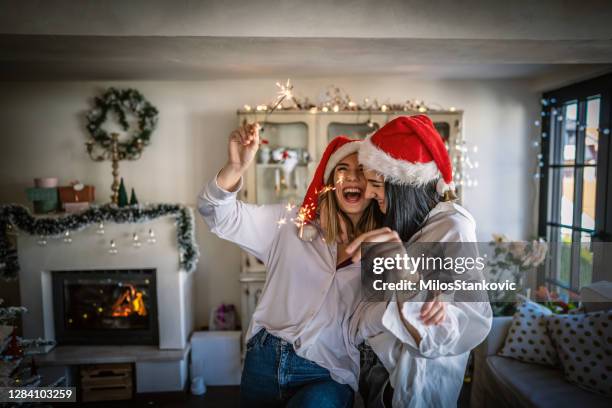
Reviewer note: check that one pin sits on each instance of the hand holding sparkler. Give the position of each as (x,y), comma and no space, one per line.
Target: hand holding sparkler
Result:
(242,147)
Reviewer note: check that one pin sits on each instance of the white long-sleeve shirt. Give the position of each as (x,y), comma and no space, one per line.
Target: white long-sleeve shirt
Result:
(305,300)
(429,374)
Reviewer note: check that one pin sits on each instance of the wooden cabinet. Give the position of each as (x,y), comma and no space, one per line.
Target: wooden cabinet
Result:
(251,287)
(306,135)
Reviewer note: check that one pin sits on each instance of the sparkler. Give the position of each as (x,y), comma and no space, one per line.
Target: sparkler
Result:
(303,215)
(283,220)
(284,92)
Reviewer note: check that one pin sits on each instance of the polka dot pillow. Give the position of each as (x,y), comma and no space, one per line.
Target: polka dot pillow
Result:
(527,338)
(584,345)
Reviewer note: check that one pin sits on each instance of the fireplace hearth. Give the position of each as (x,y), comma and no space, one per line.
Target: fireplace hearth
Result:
(117,306)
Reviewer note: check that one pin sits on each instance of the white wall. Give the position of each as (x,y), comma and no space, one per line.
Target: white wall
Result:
(43,134)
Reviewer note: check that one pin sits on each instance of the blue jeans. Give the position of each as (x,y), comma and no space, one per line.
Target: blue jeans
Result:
(274,376)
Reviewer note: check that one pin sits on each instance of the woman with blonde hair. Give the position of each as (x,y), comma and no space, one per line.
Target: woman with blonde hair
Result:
(298,353)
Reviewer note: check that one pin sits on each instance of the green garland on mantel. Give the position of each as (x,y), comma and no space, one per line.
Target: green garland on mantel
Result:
(17,216)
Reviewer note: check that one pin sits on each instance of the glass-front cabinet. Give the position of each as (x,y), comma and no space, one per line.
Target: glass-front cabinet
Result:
(281,168)
(292,143)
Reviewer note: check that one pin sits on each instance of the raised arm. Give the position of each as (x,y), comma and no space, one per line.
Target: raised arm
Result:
(242,147)
(250,226)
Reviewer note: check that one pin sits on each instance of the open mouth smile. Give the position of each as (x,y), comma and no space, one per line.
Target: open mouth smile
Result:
(352,194)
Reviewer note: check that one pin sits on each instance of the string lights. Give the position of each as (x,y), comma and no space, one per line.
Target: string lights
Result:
(336,100)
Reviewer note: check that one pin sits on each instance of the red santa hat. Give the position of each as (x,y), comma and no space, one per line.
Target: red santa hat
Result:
(409,151)
(336,150)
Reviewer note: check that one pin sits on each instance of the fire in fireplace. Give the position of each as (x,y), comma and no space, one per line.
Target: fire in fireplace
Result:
(129,303)
(105,307)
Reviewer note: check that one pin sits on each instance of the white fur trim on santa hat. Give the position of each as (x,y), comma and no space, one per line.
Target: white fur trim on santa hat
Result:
(343,151)
(442,187)
(394,170)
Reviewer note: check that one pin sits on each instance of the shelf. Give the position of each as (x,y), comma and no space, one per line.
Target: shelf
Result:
(251,276)
(276,165)
(75,355)
(354,112)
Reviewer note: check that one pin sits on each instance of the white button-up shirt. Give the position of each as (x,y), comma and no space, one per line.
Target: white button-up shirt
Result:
(431,373)
(305,300)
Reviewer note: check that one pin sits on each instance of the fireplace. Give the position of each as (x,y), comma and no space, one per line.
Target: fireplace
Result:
(117,306)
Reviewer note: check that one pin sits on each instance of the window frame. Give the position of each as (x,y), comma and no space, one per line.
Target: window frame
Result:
(557,99)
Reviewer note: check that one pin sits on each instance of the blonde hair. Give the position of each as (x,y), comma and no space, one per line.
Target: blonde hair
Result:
(329,211)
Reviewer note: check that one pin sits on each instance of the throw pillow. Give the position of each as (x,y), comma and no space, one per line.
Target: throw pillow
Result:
(584,345)
(527,338)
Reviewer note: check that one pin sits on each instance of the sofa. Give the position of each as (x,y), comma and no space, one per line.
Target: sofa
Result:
(504,382)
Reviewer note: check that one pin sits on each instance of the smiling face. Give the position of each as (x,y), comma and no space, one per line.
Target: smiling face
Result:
(350,186)
(375,189)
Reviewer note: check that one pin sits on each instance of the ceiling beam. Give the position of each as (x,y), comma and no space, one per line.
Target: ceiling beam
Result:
(408,19)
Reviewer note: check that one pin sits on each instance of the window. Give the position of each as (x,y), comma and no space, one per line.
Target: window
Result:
(574,212)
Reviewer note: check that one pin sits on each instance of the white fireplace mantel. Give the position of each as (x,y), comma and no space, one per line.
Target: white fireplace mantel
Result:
(90,251)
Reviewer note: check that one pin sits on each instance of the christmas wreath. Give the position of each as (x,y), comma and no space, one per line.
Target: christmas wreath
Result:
(123,102)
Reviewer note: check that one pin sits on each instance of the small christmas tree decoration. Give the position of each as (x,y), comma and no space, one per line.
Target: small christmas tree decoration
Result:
(123,198)
(14,349)
(133,199)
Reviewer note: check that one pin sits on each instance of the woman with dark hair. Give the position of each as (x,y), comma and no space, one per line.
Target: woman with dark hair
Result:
(410,363)
(408,207)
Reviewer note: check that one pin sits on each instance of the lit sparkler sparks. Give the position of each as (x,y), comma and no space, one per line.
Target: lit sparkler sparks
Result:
(285,91)
(289,207)
(340,179)
(303,215)
(281,222)
(326,189)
